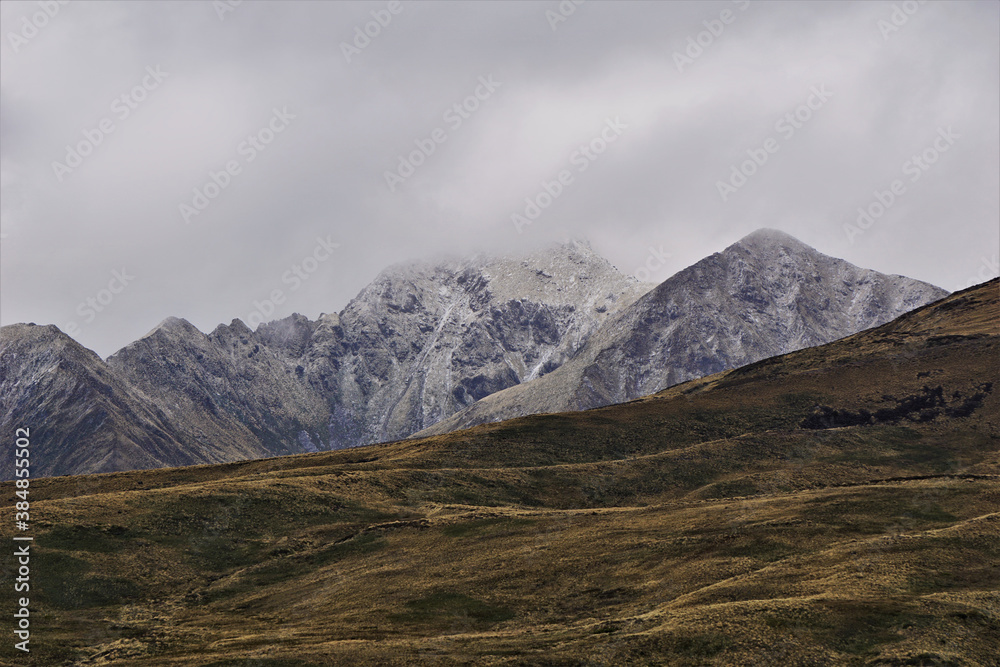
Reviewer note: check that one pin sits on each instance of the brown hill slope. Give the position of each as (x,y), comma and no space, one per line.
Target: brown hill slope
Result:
(837,505)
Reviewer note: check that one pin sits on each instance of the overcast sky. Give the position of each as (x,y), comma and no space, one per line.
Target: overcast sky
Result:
(115,116)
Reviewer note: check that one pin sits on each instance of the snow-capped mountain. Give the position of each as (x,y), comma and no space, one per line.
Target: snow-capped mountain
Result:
(431,347)
(767,294)
(423,341)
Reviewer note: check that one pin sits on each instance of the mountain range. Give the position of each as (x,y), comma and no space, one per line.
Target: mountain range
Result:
(836,505)
(766,295)
(431,347)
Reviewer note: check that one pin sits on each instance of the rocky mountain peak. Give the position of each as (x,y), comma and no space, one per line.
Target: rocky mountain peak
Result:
(19,339)
(90,419)
(425,339)
(765,246)
(291,333)
(578,246)
(766,295)
(767,236)
(174,327)
(30,331)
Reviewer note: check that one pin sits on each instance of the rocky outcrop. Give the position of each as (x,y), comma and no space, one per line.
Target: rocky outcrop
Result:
(423,341)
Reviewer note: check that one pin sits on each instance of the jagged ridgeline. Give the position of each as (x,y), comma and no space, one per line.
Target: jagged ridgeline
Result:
(766,295)
(430,347)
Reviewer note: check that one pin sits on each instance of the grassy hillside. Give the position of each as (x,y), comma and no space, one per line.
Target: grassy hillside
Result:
(837,505)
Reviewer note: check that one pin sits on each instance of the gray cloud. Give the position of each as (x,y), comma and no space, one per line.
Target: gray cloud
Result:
(323,176)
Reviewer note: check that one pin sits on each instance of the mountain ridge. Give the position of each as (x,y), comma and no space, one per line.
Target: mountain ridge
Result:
(428,347)
(420,341)
(46,375)
(737,317)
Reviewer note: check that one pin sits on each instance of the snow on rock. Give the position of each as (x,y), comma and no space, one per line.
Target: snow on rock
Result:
(767,294)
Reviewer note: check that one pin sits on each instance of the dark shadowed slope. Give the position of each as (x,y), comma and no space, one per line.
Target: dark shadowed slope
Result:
(226,392)
(81,416)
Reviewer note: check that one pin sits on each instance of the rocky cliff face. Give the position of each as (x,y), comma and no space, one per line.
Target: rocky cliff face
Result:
(418,344)
(426,340)
(766,295)
(225,392)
